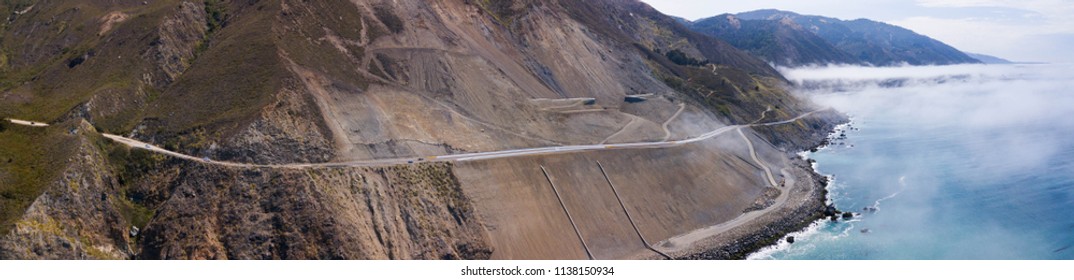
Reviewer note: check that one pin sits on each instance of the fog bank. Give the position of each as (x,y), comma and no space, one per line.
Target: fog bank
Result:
(969,161)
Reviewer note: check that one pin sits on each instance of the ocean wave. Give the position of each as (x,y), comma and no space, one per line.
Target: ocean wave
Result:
(782,245)
(902,187)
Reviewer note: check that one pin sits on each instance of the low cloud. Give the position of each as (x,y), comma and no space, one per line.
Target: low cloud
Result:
(973,127)
(975,96)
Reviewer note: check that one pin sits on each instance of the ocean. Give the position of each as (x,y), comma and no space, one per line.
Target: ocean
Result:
(944,162)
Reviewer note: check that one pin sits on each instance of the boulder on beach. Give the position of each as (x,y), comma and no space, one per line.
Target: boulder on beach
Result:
(790,239)
(830,211)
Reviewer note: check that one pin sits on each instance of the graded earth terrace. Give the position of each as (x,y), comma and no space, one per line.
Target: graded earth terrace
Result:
(373,129)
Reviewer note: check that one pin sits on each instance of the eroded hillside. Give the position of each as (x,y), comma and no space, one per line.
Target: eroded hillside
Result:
(284,81)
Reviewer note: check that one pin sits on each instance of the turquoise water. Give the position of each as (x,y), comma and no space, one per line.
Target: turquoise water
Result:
(963,162)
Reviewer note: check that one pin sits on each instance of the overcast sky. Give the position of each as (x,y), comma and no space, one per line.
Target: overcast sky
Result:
(1028,30)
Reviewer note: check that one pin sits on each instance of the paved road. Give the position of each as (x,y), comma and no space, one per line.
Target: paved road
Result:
(28,123)
(791,120)
(673,244)
(453,157)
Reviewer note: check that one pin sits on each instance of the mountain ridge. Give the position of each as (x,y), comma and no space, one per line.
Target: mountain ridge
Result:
(988,59)
(859,41)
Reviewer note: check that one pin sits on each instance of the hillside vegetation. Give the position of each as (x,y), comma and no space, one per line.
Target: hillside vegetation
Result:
(289,81)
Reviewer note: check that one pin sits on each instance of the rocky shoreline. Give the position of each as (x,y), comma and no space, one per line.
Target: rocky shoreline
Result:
(807,204)
(768,230)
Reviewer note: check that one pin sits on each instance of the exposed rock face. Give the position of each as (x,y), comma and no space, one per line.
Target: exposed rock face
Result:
(110,20)
(350,213)
(179,37)
(282,134)
(205,212)
(77,216)
(286,81)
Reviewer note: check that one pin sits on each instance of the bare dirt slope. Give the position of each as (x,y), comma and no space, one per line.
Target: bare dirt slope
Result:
(287,81)
(668,191)
(459,80)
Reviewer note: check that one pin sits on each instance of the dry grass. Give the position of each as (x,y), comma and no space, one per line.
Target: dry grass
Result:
(30,159)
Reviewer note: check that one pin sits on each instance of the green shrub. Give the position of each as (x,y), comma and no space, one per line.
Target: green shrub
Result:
(217,14)
(680,58)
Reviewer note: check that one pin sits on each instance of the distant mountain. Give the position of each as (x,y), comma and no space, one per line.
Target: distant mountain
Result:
(988,59)
(782,42)
(863,41)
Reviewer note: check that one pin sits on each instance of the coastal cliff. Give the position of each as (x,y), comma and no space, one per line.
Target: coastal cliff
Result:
(273,85)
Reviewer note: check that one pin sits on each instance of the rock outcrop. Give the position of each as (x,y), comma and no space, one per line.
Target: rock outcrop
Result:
(286,81)
(78,215)
(402,212)
(178,38)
